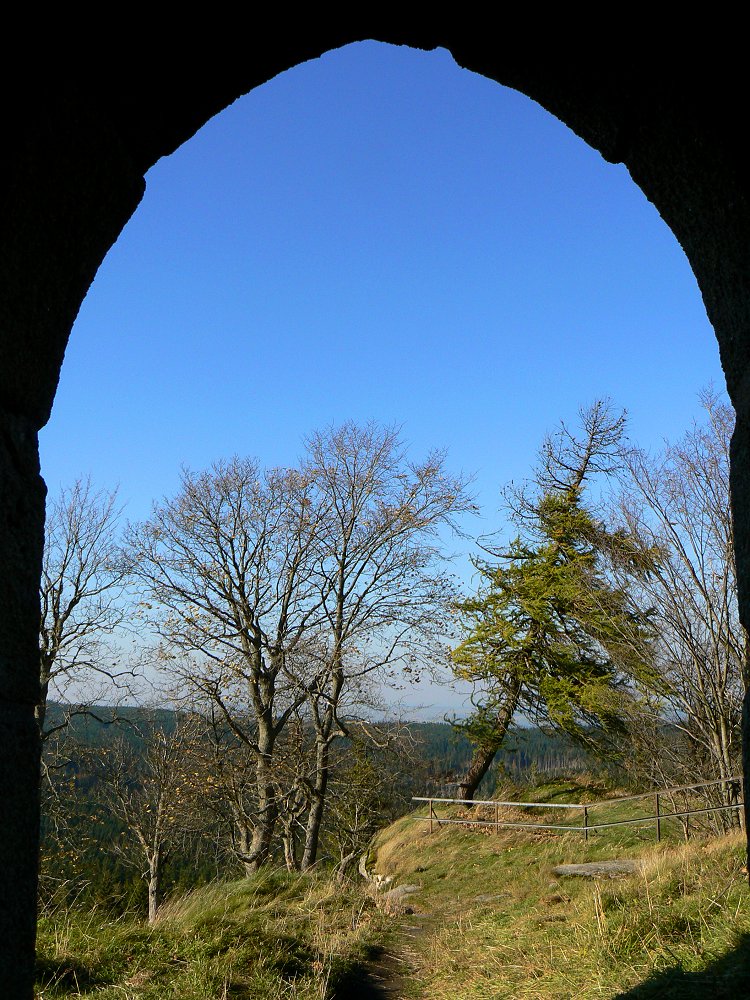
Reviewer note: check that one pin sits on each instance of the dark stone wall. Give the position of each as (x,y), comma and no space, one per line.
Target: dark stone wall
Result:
(85,121)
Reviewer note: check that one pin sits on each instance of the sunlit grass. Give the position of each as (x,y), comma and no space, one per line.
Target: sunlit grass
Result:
(501,924)
(506,927)
(272,936)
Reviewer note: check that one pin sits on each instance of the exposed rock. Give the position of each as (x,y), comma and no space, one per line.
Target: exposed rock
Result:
(599,869)
(400,892)
(80,130)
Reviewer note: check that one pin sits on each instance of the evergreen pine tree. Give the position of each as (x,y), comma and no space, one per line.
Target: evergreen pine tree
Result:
(551,635)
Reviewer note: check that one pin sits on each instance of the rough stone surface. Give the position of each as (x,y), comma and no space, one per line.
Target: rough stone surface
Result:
(599,869)
(399,893)
(84,122)
(21,542)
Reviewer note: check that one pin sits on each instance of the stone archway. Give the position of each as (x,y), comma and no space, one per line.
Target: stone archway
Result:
(80,140)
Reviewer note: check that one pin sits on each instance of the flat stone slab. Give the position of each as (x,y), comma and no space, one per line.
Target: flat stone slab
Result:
(599,869)
(400,892)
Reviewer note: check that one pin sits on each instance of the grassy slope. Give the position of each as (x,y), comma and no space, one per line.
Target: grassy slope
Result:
(272,936)
(502,926)
(505,926)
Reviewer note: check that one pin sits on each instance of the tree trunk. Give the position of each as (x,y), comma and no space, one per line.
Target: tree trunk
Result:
(290,850)
(484,755)
(155,863)
(260,846)
(342,868)
(242,842)
(323,740)
(480,763)
(731,819)
(291,808)
(315,816)
(268,808)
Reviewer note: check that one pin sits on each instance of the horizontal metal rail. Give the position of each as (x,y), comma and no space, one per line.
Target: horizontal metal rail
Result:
(579,805)
(497,802)
(658,817)
(488,822)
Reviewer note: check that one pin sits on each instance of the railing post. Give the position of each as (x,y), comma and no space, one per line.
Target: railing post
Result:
(658,819)
(430,815)
(585,822)
(497,819)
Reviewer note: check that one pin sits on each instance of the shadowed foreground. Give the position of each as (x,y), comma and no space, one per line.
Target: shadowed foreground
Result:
(728,978)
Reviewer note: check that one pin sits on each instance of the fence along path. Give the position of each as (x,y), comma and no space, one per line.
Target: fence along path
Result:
(585,827)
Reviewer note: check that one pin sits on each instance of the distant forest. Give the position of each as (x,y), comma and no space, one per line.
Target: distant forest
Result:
(440,753)
(527,752)
(83,843)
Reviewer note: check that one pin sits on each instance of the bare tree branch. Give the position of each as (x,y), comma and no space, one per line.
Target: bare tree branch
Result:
(81,596)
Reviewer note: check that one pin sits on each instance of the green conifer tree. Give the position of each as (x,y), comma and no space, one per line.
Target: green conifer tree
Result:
(551,635)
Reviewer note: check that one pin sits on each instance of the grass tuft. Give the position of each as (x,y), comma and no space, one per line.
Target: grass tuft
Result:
(271,936)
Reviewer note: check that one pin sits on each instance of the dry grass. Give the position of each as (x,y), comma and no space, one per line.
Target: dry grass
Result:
(506,927)
(272,937)
(502,925)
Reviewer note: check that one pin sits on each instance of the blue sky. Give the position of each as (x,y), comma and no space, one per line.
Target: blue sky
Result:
(377,234)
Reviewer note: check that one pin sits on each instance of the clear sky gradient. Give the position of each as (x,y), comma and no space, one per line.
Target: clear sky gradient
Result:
(377,234)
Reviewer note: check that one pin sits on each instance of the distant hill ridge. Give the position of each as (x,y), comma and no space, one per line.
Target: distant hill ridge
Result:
(442,753)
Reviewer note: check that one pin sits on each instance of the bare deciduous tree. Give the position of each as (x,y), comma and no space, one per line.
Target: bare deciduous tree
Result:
(81,597)
(676,505)
(383,594)
(148,787)
(228,564)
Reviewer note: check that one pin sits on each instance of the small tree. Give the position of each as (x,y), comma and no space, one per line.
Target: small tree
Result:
(84,574)
(146,785)
(550,635)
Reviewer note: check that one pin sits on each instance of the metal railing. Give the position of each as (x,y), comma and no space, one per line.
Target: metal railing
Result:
(585,827)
